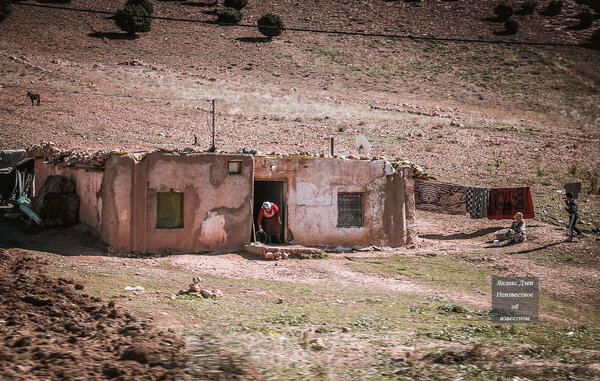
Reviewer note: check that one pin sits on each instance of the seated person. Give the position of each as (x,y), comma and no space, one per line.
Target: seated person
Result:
(516,232)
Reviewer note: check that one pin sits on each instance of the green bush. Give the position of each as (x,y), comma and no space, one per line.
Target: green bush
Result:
(554,8)
(586,18)
(135,16)
(5,10)
(270,25)
(511,26)
(229,15)
(504,11)
(235,4)
(595,39)
(528,7)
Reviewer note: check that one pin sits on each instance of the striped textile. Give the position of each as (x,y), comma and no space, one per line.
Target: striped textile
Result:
(477,201)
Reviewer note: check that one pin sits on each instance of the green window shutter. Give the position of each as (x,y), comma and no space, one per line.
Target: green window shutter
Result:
(169,210)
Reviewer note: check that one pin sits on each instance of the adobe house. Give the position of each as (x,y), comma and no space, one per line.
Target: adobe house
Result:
(196,202)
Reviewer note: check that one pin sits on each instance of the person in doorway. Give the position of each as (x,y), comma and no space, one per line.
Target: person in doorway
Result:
(572,210)
(516,232)
(269,214)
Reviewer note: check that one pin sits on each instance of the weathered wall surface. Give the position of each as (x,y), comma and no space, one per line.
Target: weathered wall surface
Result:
(313,185)
(88,189)
(117,195)
(217,210)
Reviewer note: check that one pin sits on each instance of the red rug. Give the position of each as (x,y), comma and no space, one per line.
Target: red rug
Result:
(505,202)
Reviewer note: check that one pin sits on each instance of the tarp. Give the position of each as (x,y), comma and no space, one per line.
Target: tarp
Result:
(16,175)
(11,159)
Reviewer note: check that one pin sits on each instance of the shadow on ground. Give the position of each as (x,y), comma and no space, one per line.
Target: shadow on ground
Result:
(70,241)
(478,233)
(253,39)
(113,35)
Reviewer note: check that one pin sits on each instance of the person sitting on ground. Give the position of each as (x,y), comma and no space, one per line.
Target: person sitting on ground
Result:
(270,213)
(572,210)
(516,232)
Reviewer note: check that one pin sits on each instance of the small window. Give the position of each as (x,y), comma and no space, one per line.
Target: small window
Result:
(169,210)
(350,210)
(235,166)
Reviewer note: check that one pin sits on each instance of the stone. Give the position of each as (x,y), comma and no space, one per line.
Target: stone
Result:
(346,329)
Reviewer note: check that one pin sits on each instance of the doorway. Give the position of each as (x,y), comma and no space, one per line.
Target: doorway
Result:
(273,191)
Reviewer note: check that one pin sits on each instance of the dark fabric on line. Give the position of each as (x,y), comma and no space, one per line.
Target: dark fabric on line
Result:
(440,197)
(505,202)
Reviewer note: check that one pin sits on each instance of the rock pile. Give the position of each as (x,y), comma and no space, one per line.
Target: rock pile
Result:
(195,289)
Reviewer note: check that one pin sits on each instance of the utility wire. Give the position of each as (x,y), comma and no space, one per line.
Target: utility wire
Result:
(320,31)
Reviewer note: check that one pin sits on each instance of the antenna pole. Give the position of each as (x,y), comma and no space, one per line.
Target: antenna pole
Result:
(213,148)
(332,152)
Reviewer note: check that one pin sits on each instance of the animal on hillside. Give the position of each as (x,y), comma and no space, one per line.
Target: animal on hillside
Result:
(34,98)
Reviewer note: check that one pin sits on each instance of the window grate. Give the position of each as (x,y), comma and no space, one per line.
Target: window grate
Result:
(350,210)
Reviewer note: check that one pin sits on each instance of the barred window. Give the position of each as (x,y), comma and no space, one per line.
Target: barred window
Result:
(350,210)
(169,210)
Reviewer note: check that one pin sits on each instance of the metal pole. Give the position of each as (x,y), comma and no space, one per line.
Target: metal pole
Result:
(331,146)
(213,108)
(213,148)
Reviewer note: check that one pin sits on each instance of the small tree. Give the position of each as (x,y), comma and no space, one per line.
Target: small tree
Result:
(504,11)
(511,26)
(586,18)
(270,25)
(554,7)
(5,10)
(135,16)
(229,15)
(528,7)
(235,4)
(595,39)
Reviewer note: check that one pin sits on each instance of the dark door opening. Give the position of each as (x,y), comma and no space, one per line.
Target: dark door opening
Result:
(273,191)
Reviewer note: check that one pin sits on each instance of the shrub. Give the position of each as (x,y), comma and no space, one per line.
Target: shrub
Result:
(229,15)
(528,7)
(235,4)
(595,5)
(503,11)
(511,26)
(595,39)
(135,16)
(586,18)
(5,10)
(554,7)
(270,25)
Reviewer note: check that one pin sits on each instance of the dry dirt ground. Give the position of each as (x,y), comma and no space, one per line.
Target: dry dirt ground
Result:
(375,293)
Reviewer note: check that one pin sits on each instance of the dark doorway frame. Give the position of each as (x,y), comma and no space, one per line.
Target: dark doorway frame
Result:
(274,191)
